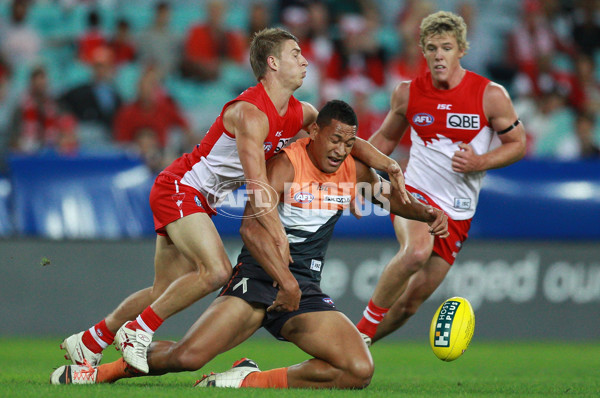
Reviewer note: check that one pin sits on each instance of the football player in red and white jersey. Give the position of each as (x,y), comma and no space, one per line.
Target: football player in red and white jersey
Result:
(190,260)
(461,124)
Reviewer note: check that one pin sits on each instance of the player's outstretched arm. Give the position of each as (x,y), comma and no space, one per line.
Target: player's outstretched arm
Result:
(261,244)
(370,155)
(385,195)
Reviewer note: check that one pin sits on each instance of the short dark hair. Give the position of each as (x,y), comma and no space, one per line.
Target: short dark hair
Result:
(338,110)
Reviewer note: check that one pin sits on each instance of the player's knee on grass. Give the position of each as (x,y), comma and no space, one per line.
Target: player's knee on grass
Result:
(186,359)
(358,374)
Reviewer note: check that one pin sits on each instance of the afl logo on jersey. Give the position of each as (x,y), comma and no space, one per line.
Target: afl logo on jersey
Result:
(304,197)
(267,146)
(422,119)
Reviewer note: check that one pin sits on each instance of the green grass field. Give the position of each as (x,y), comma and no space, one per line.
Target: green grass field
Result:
(487,369)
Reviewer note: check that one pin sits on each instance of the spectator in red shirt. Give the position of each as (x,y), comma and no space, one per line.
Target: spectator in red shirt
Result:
(92,39)
(34,125)
(209,44)
(357,56)
(122,43)
(153,109)
(531,46)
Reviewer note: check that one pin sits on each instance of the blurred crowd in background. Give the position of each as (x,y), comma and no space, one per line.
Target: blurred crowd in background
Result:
(146,77)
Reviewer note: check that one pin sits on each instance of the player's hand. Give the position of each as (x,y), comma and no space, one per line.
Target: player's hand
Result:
(288,299)
(354,209)
(284,249)
(439,225)
(465,160)
(397,179)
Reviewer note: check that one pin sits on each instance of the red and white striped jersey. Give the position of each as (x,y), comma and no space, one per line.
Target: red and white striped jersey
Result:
(214,166)
(440,120)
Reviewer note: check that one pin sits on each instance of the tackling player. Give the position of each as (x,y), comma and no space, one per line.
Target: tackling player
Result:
(315,179)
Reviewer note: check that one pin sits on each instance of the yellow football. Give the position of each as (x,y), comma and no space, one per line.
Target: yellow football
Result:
(452,328)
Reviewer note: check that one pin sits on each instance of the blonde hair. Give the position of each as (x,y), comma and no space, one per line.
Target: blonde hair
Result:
(445,22)
(265,43)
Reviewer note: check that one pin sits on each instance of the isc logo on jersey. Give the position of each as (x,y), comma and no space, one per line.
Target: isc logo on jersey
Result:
(463,121)
(452,328)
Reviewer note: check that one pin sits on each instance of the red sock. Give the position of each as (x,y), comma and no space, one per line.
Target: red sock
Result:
(147,320)
(111,372)
(372,316)
(98,337)
(275,378)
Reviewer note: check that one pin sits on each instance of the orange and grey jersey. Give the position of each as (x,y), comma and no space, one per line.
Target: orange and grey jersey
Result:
(309,209)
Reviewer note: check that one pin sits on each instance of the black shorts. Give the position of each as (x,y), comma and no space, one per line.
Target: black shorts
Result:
(262,292)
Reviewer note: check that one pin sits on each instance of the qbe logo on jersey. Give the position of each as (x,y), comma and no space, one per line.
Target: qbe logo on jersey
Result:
(463,121)
(444,324)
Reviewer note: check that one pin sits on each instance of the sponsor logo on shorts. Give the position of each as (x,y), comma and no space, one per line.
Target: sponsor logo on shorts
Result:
(444,324)
(267,146)
(423,119)
(304,197)
(329,301)
(458,244)
(178,198)
(315,265)
(198,202)
(462,203)
(464,121)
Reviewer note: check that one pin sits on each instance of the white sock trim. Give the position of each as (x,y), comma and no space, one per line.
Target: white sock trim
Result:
(369,318)
(97,338)
(141,322)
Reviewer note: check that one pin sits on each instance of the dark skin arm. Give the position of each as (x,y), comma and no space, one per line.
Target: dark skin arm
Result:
(385,195)
(263,247)
(372,156)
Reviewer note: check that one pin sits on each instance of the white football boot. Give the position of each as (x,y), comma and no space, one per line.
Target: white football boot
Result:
(133,345)
(231,378)
(78,353)
(366,339)
(75,374)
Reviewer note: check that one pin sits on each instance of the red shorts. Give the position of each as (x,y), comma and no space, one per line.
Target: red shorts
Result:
(171,200)
(446,248)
